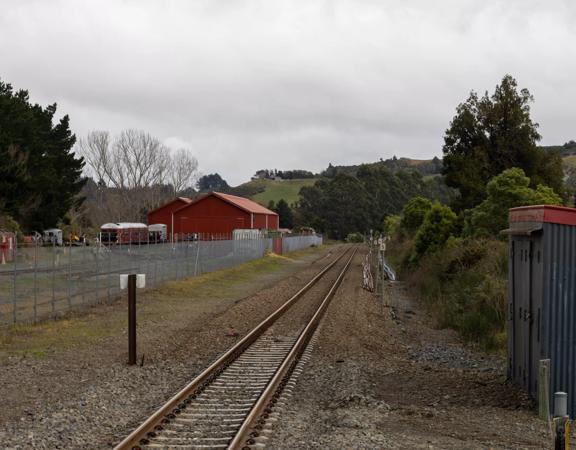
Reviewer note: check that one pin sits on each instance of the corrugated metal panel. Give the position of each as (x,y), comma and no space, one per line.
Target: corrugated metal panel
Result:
(542,308)
(559,310)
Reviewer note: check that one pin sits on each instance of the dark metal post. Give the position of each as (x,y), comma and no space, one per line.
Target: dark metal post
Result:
(131,319)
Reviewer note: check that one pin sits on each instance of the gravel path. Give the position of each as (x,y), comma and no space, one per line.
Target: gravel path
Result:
(86,397)
(378,383)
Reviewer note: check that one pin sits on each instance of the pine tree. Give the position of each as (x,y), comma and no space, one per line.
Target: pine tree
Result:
(42,179)
(491,134)
(286,217)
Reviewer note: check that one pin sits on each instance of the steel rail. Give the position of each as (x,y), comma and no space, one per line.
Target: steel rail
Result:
(175,404)
(243,438)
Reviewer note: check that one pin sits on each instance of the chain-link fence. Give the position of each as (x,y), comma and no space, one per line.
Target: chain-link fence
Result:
(43,281)
(293,243)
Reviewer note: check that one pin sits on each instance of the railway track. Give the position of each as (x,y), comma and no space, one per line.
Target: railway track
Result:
(228,406)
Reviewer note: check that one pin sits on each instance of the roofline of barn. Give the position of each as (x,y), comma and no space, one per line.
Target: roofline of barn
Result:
(223,197)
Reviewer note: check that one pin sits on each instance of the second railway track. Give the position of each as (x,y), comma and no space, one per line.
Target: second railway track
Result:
(228,404)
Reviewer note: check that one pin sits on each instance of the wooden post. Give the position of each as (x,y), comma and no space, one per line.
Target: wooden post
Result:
(132,319)
(544,389)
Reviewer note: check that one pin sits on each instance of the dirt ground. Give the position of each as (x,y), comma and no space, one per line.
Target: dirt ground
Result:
(375,382)
(66,385)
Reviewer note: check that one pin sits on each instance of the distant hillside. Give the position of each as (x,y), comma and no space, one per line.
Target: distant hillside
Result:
(568,149)
(426,167)
(262,191)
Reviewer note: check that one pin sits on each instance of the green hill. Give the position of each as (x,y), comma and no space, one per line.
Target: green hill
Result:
(262,191)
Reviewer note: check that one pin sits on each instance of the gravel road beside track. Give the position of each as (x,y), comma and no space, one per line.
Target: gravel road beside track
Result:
(378,383)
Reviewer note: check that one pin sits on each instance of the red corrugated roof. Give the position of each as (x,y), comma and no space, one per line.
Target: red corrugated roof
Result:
(244,203)
(182,199)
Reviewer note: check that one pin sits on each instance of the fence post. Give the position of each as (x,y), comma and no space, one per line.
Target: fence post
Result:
(83,277)
(544,389)
(35,282)
(96,253)
(70,274)
(109,268)
(132,319)
(53,277)
(14,302)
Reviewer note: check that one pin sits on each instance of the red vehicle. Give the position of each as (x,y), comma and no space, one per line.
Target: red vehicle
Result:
(123,233)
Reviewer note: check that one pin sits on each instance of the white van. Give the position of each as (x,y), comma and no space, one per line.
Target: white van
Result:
(52,236)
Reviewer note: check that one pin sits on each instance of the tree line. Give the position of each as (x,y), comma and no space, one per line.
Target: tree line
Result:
(132,173)
(40,175)
(49,178)
(359,203)
(454,253)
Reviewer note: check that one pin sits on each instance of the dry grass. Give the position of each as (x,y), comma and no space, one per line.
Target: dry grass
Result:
(156,306)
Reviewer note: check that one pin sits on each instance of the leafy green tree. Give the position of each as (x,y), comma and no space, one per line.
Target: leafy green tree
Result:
(390,225)
(40,176)
(354,238)
(438,225)
(271,206)
(284,211)
(414,213)
(491,134)
(509,189)
(212,182)
(375,193)
(338,207)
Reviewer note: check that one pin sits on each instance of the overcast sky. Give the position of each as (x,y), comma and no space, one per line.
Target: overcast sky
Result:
(288,84)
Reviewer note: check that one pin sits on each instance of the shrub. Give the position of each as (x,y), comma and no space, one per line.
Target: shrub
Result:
(355,237)
(437,227)
(505,191)
(390,225)
(464,286)
(414,213)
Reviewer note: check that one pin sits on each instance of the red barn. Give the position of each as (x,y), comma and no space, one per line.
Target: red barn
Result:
(163,214)
(217,213)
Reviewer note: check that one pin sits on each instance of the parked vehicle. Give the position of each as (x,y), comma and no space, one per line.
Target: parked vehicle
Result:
(124,233)
(157,233)
(52,236)
(32,238)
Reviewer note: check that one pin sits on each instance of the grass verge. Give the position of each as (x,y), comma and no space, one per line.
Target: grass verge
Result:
(156,306)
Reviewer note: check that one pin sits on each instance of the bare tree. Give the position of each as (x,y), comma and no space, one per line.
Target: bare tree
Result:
(134,173)
(95,148)
(183,171)
(140,160)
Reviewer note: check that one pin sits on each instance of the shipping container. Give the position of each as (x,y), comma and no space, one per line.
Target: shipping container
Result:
(542,298)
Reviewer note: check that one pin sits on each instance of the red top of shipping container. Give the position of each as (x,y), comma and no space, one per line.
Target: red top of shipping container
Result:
(543,213)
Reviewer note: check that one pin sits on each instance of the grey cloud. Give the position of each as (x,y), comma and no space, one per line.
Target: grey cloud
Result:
(286,84)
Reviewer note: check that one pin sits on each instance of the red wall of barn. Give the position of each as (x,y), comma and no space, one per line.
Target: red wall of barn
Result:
(260,221)
(210,215)
(214,215)
(164,214)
